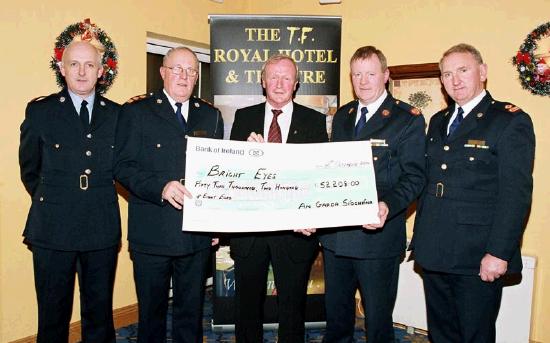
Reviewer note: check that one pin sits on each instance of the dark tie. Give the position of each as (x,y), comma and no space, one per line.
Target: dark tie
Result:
(456,122)
(274,135)
(362,121)
(180,117)
(84,115)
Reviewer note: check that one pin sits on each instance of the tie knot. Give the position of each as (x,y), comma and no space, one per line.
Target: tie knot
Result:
(460,112)
(83,103)
(364,110)
(178,105)
(276,112)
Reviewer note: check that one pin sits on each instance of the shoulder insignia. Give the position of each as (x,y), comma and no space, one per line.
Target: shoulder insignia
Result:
(511,108)
(136,98)
(351,110)
(411,109)
(42,97)
(206,101)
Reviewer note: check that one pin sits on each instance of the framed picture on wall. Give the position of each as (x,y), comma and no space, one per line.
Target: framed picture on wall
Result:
(418,85)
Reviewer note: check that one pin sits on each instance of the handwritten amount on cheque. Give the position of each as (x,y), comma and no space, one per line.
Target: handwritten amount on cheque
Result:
(221,184)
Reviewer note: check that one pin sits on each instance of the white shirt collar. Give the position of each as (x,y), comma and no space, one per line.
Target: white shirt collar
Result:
(371,108)
(469,106)
(77,101)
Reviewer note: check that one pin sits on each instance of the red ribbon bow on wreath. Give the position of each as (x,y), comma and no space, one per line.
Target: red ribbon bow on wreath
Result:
(523,57)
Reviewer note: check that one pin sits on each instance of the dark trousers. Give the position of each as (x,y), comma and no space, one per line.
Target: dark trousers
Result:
(377,281)
(250,290)
(461,308)
(54,275)
(152,274)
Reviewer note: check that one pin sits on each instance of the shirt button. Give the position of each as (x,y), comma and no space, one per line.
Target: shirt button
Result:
(89,135)
(88,153)
(446,148)
(444,166)
(87,171)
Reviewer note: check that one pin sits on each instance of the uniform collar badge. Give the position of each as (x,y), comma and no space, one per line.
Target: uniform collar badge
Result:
(62,99)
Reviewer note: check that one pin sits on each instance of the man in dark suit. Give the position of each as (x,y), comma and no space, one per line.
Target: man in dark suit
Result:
(369,256)
(150,163)
(280,120)
(470,218)
(66,156)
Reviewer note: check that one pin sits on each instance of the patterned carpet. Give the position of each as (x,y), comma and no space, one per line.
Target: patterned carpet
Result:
(129,333)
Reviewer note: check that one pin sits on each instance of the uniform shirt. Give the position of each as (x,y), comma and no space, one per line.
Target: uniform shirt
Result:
(77,102)
(283,119)
(184,106)
(467,108)
(372,108)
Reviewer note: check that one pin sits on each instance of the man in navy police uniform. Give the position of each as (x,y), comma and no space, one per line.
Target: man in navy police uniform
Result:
(66,156)
(150,163)
(368,256)
(471,216)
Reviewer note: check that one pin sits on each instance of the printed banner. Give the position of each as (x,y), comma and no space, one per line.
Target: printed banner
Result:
(241,44)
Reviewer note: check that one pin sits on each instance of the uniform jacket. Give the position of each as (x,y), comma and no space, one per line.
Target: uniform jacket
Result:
(479,189)
(150,152)
(68,173)
(306,126)
(397,133)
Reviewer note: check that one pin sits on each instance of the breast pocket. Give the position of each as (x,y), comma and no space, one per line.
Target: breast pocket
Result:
(56,155)
(158,154)
(476,159)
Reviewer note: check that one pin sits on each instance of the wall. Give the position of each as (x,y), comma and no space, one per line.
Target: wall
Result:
(413,31)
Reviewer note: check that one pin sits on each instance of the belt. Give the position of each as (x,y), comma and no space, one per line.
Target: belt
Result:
(82,181)
(440,190)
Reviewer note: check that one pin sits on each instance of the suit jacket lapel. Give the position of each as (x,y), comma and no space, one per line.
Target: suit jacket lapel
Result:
(67,109)
(162,108)
(470,122)
(378,119)
(99,114)
(296,125)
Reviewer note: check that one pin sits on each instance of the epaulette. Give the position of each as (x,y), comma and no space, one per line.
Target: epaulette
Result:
(136,98)
(408,108)
(511,108)
(39,98)
(196,104)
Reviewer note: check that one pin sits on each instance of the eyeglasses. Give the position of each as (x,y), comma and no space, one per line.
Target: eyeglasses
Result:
(177,70)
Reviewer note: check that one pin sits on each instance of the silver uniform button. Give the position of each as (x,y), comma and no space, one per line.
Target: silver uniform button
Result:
(159,145)
(89,135)
(446,148)
(57,146)
(87,172)
(444,166)
(471,158)
(88,153)
(41,199)
(375,158)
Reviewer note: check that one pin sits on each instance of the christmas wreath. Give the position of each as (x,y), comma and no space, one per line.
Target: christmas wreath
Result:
(533,61)
(87,31)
